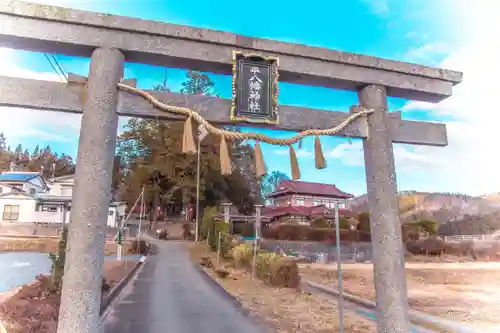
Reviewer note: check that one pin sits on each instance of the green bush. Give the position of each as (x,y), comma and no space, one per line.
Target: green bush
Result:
(244,229)
(320,222)
(364,222)
(263,265)
(207,221)
(276,270)
(226,242)
(344,223)
(295,232)
(429,246)
(242,255)
(285,273)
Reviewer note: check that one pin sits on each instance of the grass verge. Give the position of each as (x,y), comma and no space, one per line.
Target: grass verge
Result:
(284,310)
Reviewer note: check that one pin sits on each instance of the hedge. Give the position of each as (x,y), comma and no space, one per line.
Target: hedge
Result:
(295,232)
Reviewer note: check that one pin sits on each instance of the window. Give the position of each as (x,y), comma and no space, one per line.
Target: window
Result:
(32,191)
(46,208)
(11,212)
(299,202)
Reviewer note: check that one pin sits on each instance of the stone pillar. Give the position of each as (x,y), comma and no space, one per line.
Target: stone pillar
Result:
(227,215)
(81,292)
(227,211)
(388,250)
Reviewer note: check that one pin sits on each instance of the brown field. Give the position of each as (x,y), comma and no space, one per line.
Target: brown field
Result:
(285,310)
(50,244)
(465,292)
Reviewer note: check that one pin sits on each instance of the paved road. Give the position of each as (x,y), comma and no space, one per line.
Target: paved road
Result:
(170,295)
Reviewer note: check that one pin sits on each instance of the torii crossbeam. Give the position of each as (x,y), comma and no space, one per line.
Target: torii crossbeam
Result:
(111,40)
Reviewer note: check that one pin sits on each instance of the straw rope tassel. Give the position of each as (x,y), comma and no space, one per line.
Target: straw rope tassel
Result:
(225,161)
(294,164)
(260,167)
(319,158)
(188,145)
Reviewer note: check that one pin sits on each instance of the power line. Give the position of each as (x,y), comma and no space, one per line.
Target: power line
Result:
(60,66)
(54,67)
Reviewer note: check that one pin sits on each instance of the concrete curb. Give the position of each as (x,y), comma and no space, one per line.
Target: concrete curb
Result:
(230,298)
(415,316)
(115,292)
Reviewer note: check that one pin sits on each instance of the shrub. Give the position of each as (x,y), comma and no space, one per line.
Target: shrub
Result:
(344,223)
(320,222)
(276,270)
(244,229)
(428,246)
(285,273)
(207,221)
(263,265)
(294,232)
(364,222)
(242,255)
(226,239)
(270,233)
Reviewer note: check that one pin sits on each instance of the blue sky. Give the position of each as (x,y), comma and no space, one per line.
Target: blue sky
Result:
(430,32)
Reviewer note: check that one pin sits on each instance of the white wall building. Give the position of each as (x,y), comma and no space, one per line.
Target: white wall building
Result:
(27,197)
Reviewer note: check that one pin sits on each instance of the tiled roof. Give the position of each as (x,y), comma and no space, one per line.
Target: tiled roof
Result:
(17,176)
(320,210)
(318,189)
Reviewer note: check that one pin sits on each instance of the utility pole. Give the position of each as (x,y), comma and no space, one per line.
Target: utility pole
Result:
(202,133)
(165,80)
(141,212)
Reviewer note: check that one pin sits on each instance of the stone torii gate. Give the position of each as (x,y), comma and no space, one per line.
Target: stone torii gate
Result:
(111,40)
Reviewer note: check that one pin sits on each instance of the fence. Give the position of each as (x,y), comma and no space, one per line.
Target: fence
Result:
(326,253)
(461,238)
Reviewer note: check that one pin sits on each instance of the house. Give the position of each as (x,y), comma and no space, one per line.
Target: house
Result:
(304,201)
(27,197)
(29,182)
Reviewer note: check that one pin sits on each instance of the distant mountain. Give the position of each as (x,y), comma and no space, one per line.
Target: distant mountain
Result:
(492,197)
(441,207)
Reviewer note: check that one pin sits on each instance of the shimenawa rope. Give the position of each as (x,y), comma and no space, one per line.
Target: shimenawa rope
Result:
(226,166)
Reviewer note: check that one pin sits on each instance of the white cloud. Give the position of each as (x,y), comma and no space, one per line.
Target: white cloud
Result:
(407,159)
(298,152)
(427,52)
(19,124)
(472,159)
(378,7)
